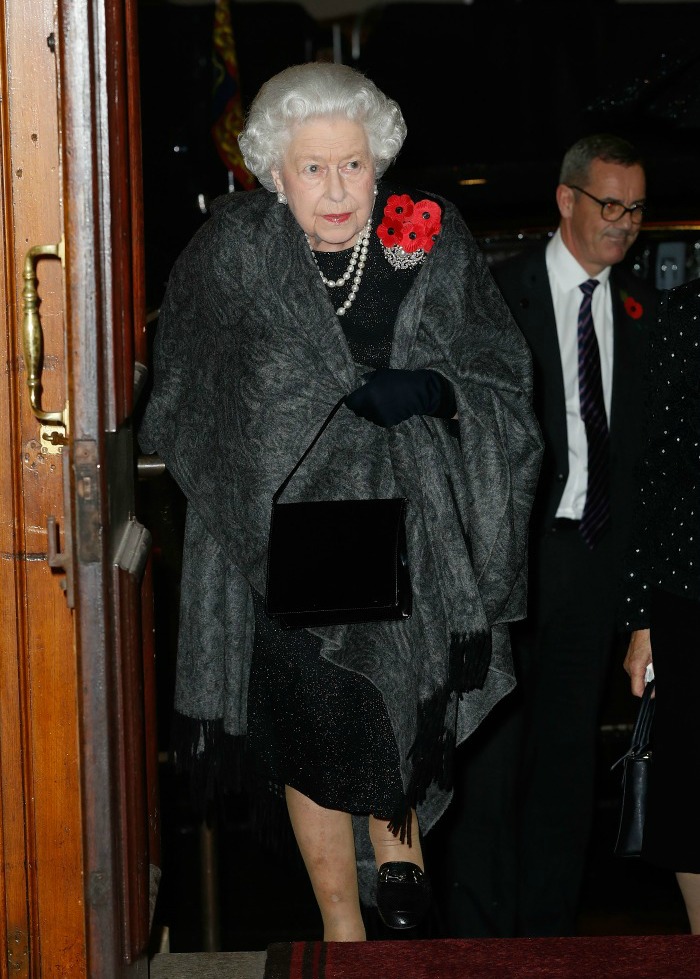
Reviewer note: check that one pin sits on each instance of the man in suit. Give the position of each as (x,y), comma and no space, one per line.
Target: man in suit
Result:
(515,844)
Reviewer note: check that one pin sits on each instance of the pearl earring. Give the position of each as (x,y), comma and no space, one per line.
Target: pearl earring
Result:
(281,199)
(376,190)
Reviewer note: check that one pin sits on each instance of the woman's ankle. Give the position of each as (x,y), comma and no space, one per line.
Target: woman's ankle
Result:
(343,929)
(389,848)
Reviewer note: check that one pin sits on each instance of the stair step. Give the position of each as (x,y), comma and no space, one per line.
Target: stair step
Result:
(208,965)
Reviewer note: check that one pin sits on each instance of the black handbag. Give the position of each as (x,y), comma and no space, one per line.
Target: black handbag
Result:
(635,780)
(333,562)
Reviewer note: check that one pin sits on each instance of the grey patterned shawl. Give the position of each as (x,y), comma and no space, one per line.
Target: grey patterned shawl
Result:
(249,358)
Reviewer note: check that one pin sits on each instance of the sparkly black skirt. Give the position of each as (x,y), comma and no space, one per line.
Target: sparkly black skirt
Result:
(671,837)
(323,730)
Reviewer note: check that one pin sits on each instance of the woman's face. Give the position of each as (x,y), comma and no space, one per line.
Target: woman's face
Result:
(328,180)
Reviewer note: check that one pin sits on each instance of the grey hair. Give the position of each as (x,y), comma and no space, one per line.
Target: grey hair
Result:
(314,90)
(577,161)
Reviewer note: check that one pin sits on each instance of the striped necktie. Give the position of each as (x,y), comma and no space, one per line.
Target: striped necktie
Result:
(596,512)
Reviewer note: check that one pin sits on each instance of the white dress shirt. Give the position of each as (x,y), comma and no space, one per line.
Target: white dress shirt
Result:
(565,277)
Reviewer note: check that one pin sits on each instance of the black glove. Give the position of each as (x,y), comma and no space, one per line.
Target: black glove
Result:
(390,396)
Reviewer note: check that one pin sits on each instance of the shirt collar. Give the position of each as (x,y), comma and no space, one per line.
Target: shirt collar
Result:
(564,267)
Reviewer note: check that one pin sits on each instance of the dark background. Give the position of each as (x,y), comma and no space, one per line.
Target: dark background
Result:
(495,90)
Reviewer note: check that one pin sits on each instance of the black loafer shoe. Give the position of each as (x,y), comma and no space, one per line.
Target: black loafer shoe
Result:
(403,894)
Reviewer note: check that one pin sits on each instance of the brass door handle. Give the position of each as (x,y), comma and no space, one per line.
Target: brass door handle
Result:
(32,333)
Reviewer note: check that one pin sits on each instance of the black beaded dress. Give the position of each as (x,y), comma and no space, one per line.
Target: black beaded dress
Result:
(665,547)
(312,725)
(663,579)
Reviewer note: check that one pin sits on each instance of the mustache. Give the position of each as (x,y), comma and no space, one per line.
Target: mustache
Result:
(621,232)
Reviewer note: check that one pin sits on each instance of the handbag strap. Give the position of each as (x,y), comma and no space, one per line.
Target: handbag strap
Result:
(642,726)
(283,485)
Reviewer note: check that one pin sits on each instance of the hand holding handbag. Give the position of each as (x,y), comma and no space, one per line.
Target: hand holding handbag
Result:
(390,395)
(334,562)
(635,780)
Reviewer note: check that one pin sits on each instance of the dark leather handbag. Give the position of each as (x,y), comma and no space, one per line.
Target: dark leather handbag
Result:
(635,780)
(335,562)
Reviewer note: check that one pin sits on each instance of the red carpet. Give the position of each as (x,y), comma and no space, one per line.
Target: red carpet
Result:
(628,957)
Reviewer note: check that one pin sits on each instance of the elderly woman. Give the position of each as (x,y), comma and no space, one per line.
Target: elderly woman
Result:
(335,285)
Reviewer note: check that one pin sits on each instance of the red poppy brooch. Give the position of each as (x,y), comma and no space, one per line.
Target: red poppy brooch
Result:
(633,308)
(408,230)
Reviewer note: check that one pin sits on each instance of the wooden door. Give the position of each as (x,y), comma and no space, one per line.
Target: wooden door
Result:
(76,781)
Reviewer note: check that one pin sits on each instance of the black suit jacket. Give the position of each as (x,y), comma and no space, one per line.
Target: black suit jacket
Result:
(524,283)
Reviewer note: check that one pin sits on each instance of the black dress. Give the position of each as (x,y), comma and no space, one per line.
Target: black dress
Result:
(312,725)
(663,579)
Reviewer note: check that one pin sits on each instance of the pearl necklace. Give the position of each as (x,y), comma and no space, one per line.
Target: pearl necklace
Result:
(358,260)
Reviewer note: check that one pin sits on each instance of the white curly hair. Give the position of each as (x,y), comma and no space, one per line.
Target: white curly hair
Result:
(310,91)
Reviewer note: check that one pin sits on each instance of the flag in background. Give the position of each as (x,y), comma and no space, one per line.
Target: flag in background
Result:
(228,110)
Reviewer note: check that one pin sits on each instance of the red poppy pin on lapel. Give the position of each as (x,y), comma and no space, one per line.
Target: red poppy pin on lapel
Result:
(408,230)
(633,308)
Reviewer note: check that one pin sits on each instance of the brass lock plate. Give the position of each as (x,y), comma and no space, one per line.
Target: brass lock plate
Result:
(52,439)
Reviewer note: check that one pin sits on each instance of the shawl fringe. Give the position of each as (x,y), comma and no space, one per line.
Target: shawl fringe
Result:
(470,658)
(400,822)
(216,768)
(212,760)
(432,752)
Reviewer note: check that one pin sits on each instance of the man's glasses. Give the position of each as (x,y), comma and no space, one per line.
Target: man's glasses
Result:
(614,210)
